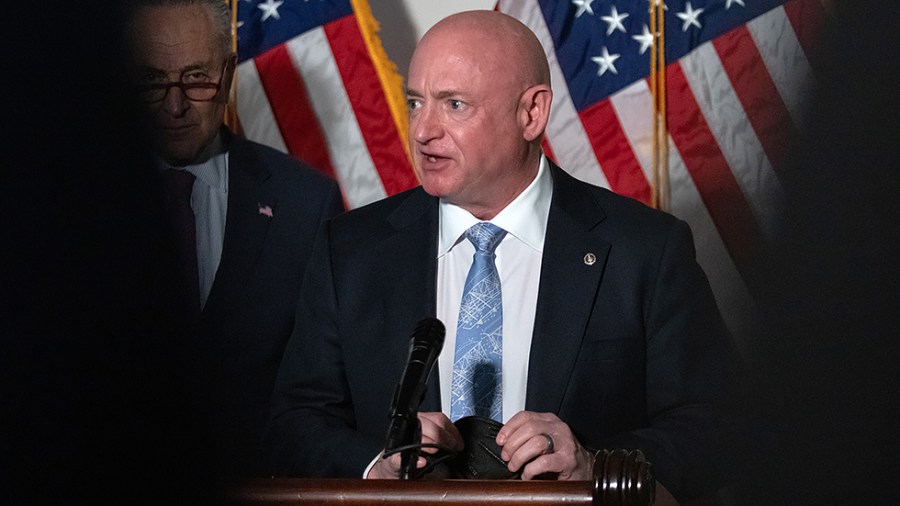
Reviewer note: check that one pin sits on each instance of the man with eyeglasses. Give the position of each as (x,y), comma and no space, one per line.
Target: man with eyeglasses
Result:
(244,218)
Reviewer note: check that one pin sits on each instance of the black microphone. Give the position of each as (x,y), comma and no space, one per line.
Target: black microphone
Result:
(424,348)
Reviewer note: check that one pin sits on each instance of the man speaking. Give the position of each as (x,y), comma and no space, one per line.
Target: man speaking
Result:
(577,317)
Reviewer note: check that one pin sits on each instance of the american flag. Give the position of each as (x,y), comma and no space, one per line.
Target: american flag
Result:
(736,76)
(314,81)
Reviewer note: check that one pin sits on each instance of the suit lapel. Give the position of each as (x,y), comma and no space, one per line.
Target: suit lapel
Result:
(414,249)
(246,222)
(573,263)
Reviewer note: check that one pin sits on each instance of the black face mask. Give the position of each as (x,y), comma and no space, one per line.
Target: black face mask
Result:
(480,459)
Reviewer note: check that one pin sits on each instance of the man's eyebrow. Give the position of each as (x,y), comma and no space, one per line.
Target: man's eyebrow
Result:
(182,70)
(440,95)
(447,94)
(149,69)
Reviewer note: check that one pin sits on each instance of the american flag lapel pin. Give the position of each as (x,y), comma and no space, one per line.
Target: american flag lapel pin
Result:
(265,210)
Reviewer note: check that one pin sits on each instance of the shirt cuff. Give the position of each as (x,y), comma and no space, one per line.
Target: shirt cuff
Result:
(370,466)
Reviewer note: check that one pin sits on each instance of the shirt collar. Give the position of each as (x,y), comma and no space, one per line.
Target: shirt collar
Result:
(212,171)
(525,218)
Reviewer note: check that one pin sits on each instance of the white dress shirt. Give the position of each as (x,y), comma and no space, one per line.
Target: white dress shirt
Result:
(518,260)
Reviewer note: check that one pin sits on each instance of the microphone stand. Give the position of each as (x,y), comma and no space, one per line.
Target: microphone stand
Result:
(406,432)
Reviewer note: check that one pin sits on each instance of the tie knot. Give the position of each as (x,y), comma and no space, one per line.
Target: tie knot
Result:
(179,183)
(485,236)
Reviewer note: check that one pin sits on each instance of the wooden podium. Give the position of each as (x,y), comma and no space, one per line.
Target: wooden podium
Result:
(621,478)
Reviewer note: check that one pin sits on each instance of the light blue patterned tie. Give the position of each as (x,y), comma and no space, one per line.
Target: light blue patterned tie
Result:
(475,388)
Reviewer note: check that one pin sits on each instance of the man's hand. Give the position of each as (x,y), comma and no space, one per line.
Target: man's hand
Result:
(545,446)
(436,429)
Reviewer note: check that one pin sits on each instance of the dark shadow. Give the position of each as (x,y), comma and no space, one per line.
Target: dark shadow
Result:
(819,423)
(91,383)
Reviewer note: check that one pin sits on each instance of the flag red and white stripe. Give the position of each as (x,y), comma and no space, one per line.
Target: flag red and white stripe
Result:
(327,95)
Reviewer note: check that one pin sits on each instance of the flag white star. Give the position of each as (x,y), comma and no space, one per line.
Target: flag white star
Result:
(583,6)
(690,17)
(646,39)
(729,2)
(614,20)
(606,62)
(270,9)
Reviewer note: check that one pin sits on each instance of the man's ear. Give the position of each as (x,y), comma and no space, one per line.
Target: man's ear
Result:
(534,111)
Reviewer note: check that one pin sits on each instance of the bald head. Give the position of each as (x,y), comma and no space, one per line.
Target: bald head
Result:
(497,42)
(479,100)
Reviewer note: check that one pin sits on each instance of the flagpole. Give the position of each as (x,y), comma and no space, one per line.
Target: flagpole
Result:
(231,117)
(661,173)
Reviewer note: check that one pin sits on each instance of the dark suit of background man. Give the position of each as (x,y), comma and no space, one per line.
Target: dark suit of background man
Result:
(256,213)
(626,350)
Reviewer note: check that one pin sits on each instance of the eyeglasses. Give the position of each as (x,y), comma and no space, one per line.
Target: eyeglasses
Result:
(197,92)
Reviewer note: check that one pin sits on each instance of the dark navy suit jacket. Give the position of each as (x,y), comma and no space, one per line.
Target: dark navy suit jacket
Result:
(249,315)
(629,349)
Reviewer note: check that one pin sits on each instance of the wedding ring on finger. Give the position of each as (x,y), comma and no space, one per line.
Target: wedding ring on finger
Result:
(549,442)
